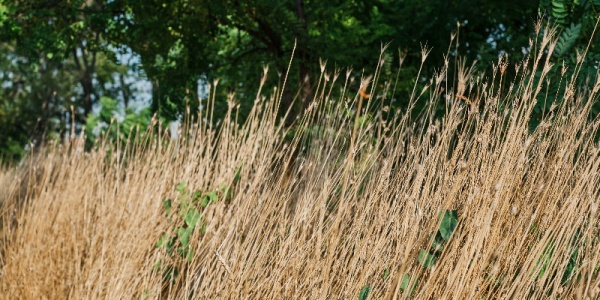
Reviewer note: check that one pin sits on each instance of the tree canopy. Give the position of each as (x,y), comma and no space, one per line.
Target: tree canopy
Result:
(59,58)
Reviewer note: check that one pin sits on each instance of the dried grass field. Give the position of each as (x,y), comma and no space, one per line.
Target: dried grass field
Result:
(380,206)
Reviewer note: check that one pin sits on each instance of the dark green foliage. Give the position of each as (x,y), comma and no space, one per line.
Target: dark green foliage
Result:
(56,65)
(567,39)
(67,54)
(437,244)
(575,21)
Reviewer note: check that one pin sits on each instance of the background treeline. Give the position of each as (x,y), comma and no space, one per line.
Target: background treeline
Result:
(65,63)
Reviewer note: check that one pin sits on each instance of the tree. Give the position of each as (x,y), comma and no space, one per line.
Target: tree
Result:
(58,54)
(51,52)
(233,39)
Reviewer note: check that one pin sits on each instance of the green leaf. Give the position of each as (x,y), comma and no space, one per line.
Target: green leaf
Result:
(544,260)
(181,188)
(192,218)
(572,265)
(386,273)
(238,175)
(204,201)
(426,259)
(170,273)
(449,223)
(184,235)
(167,203)
(364,292)
(559,11)
(203,227)
(196,195)
(406,280)
(567,40)
(190,254)
(437,243)
(162,241)
(157,265)
(183,251)
(212,196)
(184,208)
(226,191)
(169,246)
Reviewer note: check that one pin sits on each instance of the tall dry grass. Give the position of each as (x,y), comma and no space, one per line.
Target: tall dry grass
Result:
(346,203)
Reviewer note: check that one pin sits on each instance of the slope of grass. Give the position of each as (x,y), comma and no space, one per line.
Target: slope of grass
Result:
(348,207)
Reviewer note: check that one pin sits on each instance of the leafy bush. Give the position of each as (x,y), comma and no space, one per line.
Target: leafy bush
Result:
(107,124)
(185,215)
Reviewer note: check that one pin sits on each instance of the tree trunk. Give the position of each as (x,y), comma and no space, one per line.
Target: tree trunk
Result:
(303,55)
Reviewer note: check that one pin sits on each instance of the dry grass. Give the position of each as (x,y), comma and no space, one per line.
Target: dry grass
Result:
(344,205)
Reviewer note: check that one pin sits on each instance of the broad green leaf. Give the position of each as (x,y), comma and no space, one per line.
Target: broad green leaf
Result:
(449,223)
(184,235)
(386,273)
(196,195)
(192,218)
(406,280)
(426,259)
(204,201)
(181,188)
(364,292)
(437,243)
(162,241)
(212,196)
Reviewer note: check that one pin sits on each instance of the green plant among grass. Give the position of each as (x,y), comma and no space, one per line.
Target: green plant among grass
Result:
(428,258)
(409,285)
(570,271)
(544,260)
(364,292)
(185,213)
(572,266)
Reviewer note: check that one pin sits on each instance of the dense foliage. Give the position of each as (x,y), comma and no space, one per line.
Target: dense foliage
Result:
(59,58)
